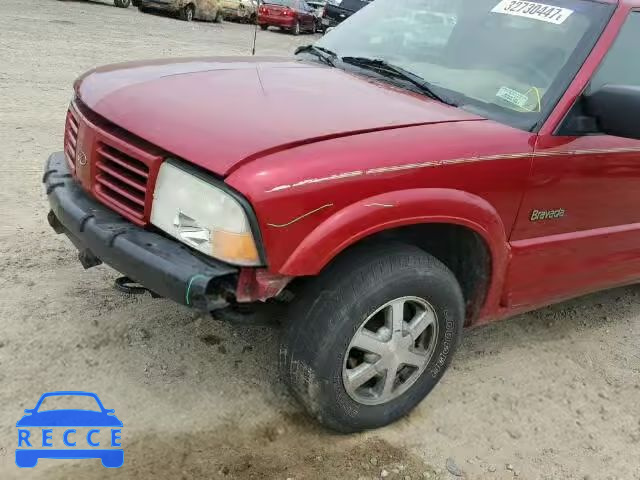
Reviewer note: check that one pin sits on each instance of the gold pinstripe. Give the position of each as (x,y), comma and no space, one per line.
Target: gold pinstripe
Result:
(452,161)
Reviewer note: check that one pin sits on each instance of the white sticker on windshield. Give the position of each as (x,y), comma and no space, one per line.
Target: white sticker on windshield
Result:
(537,11)
(512,96)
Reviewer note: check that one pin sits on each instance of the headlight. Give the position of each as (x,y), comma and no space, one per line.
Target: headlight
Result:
(202,216)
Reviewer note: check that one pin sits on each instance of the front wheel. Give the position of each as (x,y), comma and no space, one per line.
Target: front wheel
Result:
(122,3)
(371,336)
(296,29)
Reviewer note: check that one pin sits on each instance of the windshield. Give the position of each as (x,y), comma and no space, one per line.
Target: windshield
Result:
(506,60)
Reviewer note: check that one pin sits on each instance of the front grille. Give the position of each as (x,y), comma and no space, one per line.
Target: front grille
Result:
(121,180)
(71,139)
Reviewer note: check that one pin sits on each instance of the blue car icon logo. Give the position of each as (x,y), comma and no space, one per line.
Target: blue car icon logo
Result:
(40,428)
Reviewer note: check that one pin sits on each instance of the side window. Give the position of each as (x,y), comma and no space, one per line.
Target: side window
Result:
(621,66)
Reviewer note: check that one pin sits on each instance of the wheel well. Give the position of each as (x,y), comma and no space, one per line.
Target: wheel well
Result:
(461,249)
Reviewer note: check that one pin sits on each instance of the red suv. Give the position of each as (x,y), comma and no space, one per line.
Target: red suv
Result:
(482,163)
(293,15)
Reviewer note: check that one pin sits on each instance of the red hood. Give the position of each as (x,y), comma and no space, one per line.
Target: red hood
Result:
(219,112)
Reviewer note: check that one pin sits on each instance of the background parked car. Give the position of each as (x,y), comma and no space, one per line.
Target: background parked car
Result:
(121,3)
(337,11)
(241,10)
(185,9)
(293,15)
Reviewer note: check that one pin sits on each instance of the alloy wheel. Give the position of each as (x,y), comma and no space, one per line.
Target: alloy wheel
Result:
(390,350)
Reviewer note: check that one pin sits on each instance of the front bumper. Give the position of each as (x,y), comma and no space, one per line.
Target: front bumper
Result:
(228,12)
(159,5)
(164,266)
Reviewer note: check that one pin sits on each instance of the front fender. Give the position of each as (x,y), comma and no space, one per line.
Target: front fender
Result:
(401,208)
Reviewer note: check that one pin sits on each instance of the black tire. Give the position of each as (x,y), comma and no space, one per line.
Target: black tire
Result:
(218,18)
(122,3)
(295,30)
(264,27)
(135,3)
(187,13)
(330,308)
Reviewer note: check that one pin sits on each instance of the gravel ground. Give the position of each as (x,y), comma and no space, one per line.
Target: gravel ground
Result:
(548,395)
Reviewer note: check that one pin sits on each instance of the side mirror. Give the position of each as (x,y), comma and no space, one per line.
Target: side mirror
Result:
(28,410)
(616,108)
(109,411)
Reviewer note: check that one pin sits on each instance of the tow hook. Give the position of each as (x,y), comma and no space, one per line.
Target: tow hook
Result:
(131,287)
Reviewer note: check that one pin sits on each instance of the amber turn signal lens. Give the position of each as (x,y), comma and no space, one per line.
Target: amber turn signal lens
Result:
(237,248)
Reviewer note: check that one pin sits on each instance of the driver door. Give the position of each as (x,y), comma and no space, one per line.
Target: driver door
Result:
(579,224)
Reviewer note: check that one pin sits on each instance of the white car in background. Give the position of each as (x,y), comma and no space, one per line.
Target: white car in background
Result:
(240,10)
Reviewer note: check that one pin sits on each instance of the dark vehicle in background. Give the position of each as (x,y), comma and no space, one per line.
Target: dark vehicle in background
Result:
(337,11)
(292,15)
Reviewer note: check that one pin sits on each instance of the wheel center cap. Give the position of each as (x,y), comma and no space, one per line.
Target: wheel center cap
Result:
(397,345)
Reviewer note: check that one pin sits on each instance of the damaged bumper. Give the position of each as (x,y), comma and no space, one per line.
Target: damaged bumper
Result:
(241,13)
(161,265)
(166,5)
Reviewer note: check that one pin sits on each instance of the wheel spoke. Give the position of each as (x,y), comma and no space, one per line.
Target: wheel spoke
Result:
(366,341)
(361,374)
(390,380)
(395,317)
(420,322)
(412,359)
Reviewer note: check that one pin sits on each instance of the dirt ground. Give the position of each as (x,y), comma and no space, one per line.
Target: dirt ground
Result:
(553,394)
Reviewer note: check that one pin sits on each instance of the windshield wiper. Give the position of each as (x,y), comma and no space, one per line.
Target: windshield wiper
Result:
(385,68)
(324,54)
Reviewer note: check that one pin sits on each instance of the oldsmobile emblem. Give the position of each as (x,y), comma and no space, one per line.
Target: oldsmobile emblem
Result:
(81,158)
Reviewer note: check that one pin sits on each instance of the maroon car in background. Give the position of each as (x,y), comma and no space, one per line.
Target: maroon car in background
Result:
(293,15)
